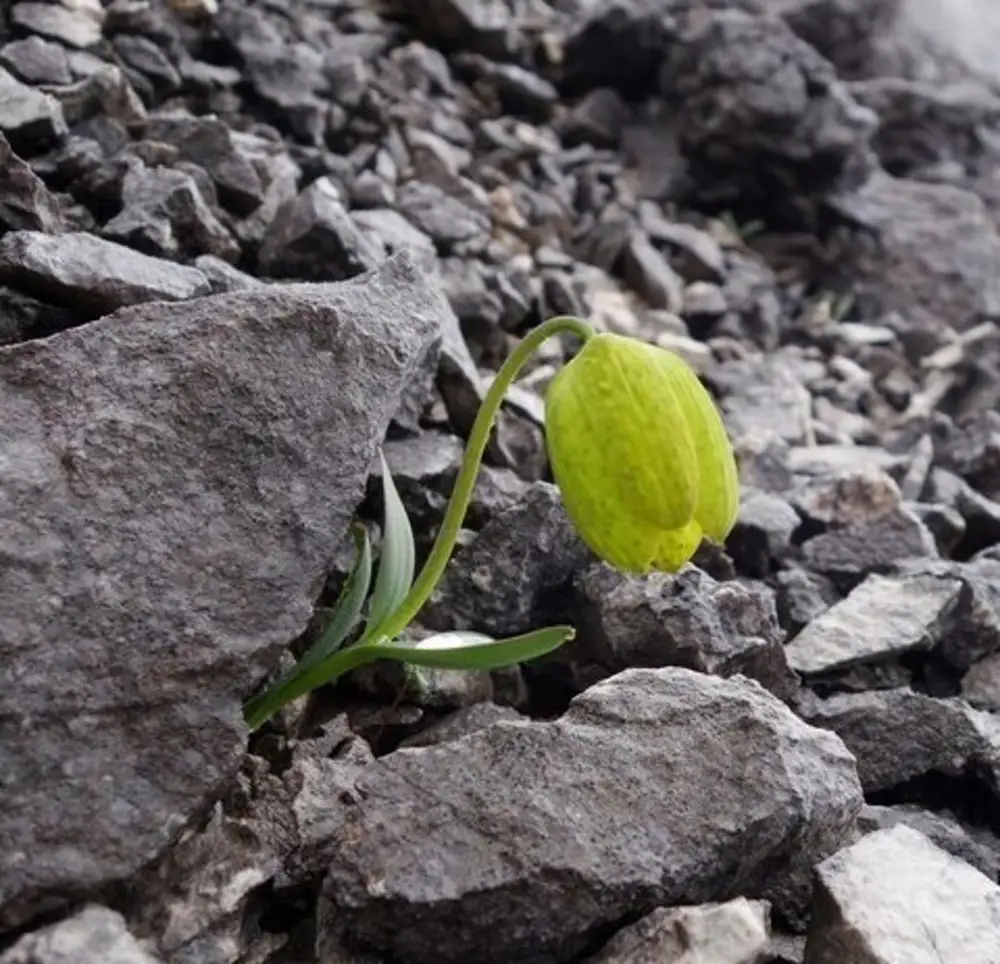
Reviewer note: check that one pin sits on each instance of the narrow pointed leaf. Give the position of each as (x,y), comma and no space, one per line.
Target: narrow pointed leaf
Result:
(398,556)
(471,651)
(345,615)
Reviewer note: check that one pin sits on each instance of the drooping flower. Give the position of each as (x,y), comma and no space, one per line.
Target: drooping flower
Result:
(640,454)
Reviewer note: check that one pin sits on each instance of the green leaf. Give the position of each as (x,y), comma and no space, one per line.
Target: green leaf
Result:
(346,613)
(398,556)
(471,651)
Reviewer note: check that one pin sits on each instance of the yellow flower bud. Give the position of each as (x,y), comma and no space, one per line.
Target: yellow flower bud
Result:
(640,454)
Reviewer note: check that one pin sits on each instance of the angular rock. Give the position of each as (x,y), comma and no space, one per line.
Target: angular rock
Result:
(850,498)
(25,201)
(315,238)
(687,620)
(635,798)
(516,574)
(92,275)
(882,618)
(37,61)
(971,449)
(446,219)
(976,846)
(927,251)
(897,735)
(94,935)
(28,118)
(189,470)
(392,232)
(758,106)
(846,555)
(802,597)
(894,896)
(76,23)
(468,719)
(736,932)
(763,532)
(148,65)
(649,275)
(23,318)
(165,213)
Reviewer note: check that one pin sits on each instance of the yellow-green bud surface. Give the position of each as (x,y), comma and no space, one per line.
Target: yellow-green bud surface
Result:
(640,454)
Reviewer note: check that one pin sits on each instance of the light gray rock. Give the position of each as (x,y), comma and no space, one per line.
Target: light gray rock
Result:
(27,116)
(175,481)
(893,896)
(882,618)
(92,275)
(657,787)
(735,932)
(94,935)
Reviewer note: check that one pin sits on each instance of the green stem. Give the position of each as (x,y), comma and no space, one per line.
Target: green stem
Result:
(461,495)
(365,651)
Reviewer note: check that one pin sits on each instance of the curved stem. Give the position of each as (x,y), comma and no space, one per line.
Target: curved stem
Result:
(461,495)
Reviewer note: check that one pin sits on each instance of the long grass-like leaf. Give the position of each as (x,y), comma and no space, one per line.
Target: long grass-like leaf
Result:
(397,559)
(471,651)
(346,613)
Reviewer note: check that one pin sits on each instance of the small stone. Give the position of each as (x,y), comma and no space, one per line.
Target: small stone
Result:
(462,722)
(897,735)
(977,846)
(737,932)
(223,276)
(763,532)
(28,117)
(802,597)
(37,61)
(894,896)
(446,219)
(104,91)
(687,620)
(164,213)
(848,554)
(516,574)
(703,302)
(598,118)
(315,239)
(649,275)
(391,232)
(981,684)
(194,9)
(853,497)
(694,252)
(25,202)
(150,62)
(94,935)
(882,618)
(91,275)
(76,23)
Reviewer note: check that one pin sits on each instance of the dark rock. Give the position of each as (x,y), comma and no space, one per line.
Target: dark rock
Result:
(164,213)
(25,202)
(737,932)
(496,491)
(598,118)
(105,92)
(37,61)
(972,451)
(131,439)
(944,523)
(315,238)
(91,275)
(758,107)
(209,144)
(927,251)
(977,847)
(28,118)
(763,532)
(695,253)
(76,24)
(516,574)
(802,597)
(519,91)
(687,620)
(446,219)
(894,896)
(535,811)
(897,735)
(980,514)
(488,28)
(94,935)
(468,719)
(649,275)
(151,63)
(981,684)
(848,554)
(23,318)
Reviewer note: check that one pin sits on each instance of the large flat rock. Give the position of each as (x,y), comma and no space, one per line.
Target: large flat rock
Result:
(174,479)
(525,841)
